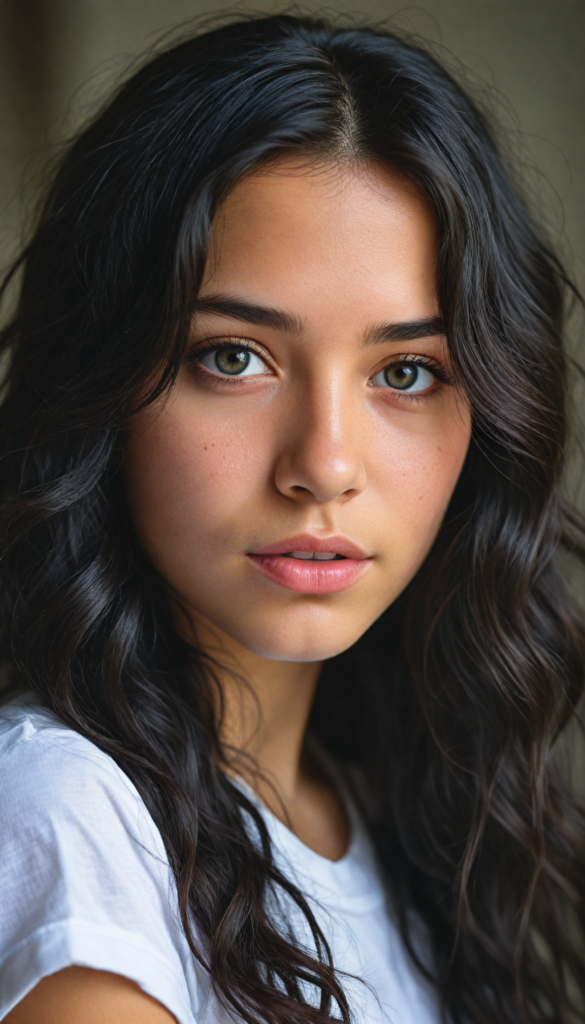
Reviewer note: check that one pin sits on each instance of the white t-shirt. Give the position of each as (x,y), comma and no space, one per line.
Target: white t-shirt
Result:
(84,879)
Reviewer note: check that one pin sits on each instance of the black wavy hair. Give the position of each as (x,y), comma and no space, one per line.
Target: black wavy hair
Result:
(448,711)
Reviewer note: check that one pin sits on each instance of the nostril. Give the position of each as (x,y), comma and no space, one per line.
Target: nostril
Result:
(312,476)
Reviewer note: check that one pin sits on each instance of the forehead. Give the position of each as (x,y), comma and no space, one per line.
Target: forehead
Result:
(326,234)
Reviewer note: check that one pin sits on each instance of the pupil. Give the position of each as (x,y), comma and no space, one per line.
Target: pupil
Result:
(401,376)
(232,360)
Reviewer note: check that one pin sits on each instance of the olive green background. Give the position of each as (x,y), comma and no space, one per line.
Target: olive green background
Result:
(524,60)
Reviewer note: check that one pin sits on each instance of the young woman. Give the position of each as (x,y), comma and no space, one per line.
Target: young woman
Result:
(288,650)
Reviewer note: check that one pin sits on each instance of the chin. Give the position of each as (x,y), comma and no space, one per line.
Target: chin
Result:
(313,638)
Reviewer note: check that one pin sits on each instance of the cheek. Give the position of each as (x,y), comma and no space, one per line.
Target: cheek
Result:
(188,477)
(417,470)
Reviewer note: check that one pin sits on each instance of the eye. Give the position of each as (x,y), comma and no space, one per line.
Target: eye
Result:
(406,376)
(233,361)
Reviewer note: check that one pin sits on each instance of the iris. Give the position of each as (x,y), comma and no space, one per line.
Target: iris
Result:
(401,375)
(232,360)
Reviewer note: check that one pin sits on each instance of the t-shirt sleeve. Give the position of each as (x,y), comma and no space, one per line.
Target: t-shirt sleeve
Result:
(84,878)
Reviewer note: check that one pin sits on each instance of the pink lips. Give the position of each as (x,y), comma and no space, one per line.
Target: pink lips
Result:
(312,577)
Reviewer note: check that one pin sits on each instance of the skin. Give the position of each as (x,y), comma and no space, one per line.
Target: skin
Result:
(311,443)
(79,995)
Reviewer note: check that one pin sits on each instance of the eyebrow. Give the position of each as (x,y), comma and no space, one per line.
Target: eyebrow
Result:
(408,330)
(278,319)
(250,313)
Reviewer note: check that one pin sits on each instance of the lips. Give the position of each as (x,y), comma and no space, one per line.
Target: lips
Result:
(312,565)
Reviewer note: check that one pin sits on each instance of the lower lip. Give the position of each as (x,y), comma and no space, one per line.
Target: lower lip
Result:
(311,577)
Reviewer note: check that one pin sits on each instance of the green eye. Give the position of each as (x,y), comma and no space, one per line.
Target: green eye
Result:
(404,377)
(401,376)
(231,360)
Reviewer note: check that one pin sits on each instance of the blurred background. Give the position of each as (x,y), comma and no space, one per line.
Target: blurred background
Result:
(524,60)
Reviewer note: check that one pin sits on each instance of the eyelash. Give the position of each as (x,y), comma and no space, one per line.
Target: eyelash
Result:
(194,358)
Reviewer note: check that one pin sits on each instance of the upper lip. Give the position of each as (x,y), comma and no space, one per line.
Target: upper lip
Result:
(306,542)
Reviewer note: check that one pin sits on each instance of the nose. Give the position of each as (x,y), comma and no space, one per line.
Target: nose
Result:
(320,456)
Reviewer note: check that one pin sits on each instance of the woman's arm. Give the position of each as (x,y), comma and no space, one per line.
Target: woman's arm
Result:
(80,995)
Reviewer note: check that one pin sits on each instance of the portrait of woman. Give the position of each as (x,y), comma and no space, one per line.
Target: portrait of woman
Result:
(287,644)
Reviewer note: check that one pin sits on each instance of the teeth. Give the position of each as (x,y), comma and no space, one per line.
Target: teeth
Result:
(319,556)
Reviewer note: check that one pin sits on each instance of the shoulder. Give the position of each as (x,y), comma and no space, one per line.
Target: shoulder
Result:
(83,870)
(50,772)
(32,738)
(70,816)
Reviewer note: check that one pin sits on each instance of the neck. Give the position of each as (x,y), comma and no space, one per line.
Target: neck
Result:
(266,709)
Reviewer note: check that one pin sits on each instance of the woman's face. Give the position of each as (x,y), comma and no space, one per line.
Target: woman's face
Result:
(294,480)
